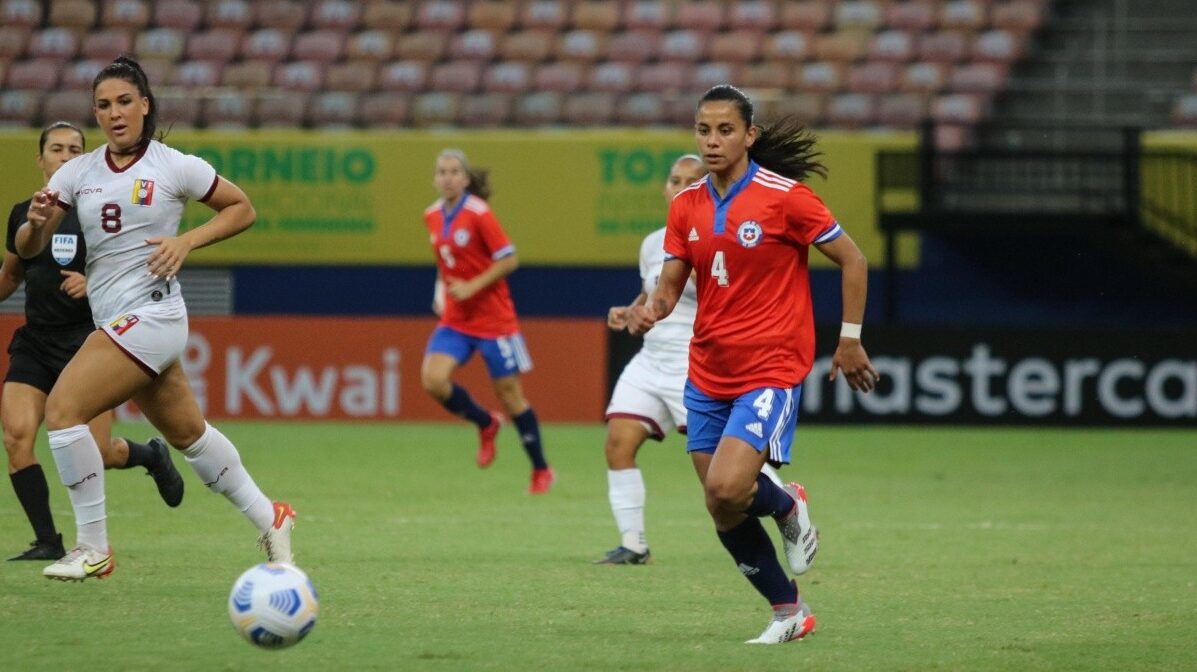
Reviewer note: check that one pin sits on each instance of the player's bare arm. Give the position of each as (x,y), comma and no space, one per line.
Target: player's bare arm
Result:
(41,223)
(234,214)
(617,316)
(464,289)
(674,274)
(438,294)
(12,274)
(850,355)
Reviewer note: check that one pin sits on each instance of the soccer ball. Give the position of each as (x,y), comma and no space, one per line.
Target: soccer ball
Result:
(273,605)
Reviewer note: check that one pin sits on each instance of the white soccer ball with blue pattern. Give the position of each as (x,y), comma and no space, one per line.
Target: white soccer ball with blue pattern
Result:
(273,605)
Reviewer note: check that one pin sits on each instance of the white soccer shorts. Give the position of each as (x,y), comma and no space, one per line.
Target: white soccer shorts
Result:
(153,336)
(647,394)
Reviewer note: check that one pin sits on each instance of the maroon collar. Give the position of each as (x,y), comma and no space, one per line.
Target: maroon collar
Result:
(136,157)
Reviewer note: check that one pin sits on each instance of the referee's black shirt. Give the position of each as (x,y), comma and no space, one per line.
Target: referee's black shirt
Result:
(46,305)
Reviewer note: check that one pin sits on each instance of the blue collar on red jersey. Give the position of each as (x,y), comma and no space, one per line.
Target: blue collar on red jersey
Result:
(449,215)
(722,204)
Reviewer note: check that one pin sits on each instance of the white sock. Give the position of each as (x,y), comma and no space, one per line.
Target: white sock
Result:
(625,490)
(82,470)
(216,461)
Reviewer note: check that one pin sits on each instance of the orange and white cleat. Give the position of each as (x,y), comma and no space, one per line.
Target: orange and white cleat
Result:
(486,441)
(276,540)
(542,480)
(790,623)
(82,563)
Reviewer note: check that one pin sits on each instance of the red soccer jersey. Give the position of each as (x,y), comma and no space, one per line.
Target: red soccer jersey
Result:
(755,327)
(467,239)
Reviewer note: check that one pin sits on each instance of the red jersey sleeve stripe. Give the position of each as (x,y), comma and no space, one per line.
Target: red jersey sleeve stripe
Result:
(64,206)
(211,189)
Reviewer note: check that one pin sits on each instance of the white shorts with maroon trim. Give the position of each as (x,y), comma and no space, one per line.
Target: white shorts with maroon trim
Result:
(651,395)
(153,336)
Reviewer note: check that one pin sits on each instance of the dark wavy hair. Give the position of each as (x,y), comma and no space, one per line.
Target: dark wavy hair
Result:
(785,146)
(479,177)
(41,141)
(130,70)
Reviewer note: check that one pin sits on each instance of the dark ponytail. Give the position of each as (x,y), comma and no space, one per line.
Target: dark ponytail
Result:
(130,70)
(479,177)
(786,146)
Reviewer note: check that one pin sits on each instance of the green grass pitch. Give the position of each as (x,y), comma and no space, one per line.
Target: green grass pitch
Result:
(942,549)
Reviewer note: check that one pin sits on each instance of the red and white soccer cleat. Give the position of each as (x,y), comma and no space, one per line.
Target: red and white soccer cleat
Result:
(542,480)
(486,441)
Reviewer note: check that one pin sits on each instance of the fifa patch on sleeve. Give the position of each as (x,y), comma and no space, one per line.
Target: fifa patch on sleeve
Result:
(143,192)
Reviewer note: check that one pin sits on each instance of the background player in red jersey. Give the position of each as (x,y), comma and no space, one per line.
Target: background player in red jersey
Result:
(746,229)
(473,256)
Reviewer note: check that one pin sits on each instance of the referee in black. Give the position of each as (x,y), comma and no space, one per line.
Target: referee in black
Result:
(57,321)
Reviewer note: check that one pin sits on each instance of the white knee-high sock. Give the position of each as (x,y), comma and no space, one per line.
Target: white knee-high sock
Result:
(625,489)
(82,471)
(216,461)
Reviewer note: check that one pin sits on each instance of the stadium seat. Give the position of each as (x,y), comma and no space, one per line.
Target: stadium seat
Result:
(951,137)
(322,46)
(857,15)
(491,15)
(267,44)
(390,16)
(384,110)
(73,106)
(526,45)
(486,109)
(753,15)
(373,45)
(19,108)
(892,45)
(807,16)
(126,14)
(475,44)
(58,44)
(544,14)
(589,109)
(737,46)
(218,44)
(184,15)
(106,45)
(435,109)
(13,42)
(506,78)
(851,110)
(788,45)
(819,76)
(947,47)
(156,70)
(299,76)
(78,14)
(235,15)
(1001,46)
(280,109)
(21,13)
(421,46)
(440,15)
(249,75)
(842,46)
(178,110)
(714,73)
(700,15)
(538,109)
(563,77)
(682,45)
(767,75)
(913,15)
(902,111)
(670,77)
(34,75)
(581,45)
(333,110)
(282,14)
(339,15)
(1019,15)
(165,44)
(456,76)
(191,74)
(874,77)
(610,78)
(78,76)
(227,109)
(923,78)
(595,15)
(959,108)
(403,76)
(648,14)
(635,46)
(978,78)
(966,15)
(355,76)
(810,108)
(641,109)
(1184,111)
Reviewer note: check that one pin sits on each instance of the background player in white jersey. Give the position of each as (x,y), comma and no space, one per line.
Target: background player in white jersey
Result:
(647,401)
(57,321)
(129,197)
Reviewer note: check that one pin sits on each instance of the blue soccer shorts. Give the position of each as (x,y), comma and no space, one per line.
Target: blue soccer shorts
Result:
(504,356)
(764,418)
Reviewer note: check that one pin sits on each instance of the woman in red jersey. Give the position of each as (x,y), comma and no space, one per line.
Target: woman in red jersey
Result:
(473,256)
(746,229)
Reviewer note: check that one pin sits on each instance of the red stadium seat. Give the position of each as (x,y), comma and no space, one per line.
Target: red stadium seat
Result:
(475,44)
(611,78)
(923,78)
(634,46)
(875,77)
(249,75)
(21,13)
(384,110)
(788,45)
(947,47)
(178,110)
(767,75)
(641,109)
(355,76)
(959,108)
(35,75)
(390,16)
(819,77)
(73,106)
(486,109)
(851,110)
(403,76)
(13,41)
(857,15)
(283,109)
(564,77)
(373,45)
(282,14)
(440,15)
(78,76)
(1184,111)
(700,15)
(978,78)
(544,14)
(191,74)
(967,15)
(228,109)
(267,44)
(892,45)
(590,109)
(323,46)
(1019,15)
(810,108)
(230,14)
(1000,46)
(72,14)
(421,46)
(182,15)
(713,74)
(738,46)
(648,14)
(165,44)
(54,43)
(299,76)
(507,78)
(915,15)
(670,77)
(19,108)
(436,109)
(842,46)
(106,45)
(754,15)
(526,45)
(456,77)
(903,111)
(156,70)
(333,110)
(682,45)
(581,45)
(492,15)
(807,16)
(538,109)
(126,14)
(595,15)
(340,15)
(218,44)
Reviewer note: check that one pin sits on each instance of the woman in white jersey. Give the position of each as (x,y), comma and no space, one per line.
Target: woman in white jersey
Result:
(129,197)
(647,401)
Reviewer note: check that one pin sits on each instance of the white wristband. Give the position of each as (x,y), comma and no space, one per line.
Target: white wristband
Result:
(849,330)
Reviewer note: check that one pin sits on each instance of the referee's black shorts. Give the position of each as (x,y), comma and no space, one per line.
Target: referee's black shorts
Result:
(37,356)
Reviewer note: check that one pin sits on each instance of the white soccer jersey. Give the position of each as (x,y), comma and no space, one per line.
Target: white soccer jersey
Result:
(668,342)
(118,208)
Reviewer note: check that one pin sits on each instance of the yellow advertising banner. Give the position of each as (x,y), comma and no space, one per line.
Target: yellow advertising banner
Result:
(568,198)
